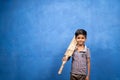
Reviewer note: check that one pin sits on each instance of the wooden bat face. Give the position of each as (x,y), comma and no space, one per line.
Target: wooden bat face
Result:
(71,47)
(68,53)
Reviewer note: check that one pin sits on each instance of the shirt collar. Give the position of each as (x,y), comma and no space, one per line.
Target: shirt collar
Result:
(84,50)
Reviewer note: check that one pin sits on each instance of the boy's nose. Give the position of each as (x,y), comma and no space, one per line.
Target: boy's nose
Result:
(80,39)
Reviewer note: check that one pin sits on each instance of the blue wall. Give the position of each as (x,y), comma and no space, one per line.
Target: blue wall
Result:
(34,34)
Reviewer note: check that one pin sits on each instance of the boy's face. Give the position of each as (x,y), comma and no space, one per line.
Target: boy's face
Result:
(80,39)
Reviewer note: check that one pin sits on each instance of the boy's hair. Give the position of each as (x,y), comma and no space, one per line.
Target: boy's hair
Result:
(81,31)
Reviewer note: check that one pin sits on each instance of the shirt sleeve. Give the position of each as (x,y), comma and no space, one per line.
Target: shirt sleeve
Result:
(88,53)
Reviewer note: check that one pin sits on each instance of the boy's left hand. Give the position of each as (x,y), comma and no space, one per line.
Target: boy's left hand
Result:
(87,78)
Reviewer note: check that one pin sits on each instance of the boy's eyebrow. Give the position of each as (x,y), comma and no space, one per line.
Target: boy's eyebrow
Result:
(80,37)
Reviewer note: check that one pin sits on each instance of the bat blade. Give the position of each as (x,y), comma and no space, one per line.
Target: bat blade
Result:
(68,53)
(71,47)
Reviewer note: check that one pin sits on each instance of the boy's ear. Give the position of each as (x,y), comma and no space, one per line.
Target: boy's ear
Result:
(75,37)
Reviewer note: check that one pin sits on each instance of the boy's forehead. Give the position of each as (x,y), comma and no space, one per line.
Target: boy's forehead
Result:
(81,35)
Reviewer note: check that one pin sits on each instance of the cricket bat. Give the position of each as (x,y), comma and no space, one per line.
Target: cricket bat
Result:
(68,53)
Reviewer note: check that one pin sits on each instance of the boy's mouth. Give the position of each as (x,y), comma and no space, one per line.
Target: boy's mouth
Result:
(80,42)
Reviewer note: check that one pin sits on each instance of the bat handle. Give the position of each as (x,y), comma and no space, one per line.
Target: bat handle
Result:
(61,68)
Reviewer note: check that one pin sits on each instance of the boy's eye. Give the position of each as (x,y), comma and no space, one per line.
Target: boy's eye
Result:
(80,37)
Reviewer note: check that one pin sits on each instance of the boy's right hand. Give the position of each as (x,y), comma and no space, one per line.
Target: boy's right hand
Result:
(65,58)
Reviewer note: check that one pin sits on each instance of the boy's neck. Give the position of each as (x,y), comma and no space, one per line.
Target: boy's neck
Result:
(80,47)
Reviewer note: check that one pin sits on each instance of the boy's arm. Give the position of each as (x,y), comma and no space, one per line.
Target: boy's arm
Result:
(66,58)
(88,66)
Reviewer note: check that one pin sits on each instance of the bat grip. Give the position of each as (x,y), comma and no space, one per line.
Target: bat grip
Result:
(61,68)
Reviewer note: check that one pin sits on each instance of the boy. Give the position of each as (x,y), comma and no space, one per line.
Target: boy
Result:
(80,69)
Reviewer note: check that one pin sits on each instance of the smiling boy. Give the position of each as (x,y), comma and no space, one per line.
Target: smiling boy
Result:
(80,69)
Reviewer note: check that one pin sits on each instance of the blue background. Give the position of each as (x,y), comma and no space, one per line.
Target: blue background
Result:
(34,35)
